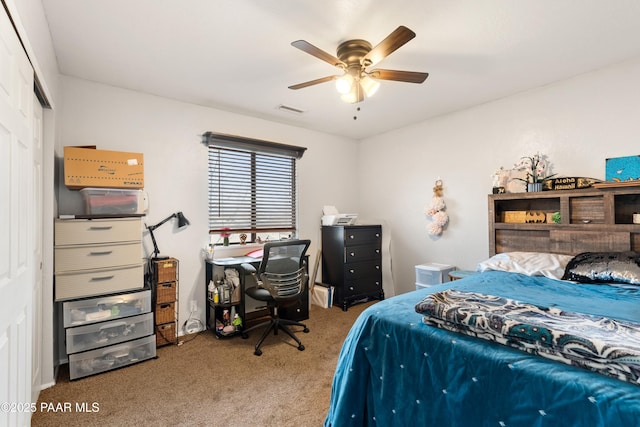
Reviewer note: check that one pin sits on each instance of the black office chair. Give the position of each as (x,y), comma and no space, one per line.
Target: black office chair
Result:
(280,279)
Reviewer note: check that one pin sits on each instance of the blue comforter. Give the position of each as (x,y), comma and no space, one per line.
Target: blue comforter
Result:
(394,370)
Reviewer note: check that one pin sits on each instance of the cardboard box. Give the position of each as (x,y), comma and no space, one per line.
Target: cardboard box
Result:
(88,167)
(620,169)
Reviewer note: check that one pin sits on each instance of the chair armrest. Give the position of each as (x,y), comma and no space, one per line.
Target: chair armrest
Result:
(251,276)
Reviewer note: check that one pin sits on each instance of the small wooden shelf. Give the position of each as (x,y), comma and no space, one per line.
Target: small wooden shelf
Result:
(624,184)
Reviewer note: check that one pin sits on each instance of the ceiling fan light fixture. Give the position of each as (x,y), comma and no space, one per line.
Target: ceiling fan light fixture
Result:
(369,85)
(354,57)
(350,97)
(344,84)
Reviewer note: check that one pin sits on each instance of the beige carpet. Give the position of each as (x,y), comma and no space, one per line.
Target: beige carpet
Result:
(212,382)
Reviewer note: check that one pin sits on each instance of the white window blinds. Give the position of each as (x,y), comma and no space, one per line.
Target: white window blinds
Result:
(252,185)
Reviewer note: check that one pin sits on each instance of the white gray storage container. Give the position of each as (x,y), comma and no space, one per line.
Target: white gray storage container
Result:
(432,273)
(104,334)
(101,309)
(104,359)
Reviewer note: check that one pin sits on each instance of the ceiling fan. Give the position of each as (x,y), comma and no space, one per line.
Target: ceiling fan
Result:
(354,57)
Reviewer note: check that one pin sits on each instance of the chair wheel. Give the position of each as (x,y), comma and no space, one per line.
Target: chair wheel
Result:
(244,336)
(258,352)
(301,347)
(305,330)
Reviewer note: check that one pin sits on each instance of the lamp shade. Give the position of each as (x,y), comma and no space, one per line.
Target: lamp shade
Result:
(344,84)
(182,221)
(369,85)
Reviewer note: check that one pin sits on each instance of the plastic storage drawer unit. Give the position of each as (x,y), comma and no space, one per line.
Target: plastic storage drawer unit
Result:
(104,359)
(432,273)
(104,334)
(100,309)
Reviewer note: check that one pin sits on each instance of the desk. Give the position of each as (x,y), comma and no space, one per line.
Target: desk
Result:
(247,307)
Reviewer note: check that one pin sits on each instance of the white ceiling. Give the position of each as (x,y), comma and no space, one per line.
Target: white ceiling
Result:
(236,55)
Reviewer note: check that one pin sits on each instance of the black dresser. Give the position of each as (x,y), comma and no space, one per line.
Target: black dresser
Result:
(352,262)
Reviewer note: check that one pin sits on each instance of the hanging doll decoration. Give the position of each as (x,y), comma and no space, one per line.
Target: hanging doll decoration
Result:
(436,212)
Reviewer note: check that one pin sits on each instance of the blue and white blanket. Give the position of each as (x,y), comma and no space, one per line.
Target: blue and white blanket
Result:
(610,347)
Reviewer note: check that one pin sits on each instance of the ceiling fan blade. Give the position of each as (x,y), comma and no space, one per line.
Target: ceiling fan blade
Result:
(313,82)
(318,53)
(399,76)
(386,47)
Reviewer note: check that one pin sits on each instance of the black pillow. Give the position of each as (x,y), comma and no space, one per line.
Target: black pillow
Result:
(604,267)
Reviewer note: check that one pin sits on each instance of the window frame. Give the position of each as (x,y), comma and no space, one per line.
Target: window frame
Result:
(260,155)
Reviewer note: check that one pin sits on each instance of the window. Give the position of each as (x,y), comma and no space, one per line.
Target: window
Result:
(252,187)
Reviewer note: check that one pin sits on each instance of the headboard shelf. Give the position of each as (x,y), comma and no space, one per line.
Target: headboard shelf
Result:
(567,221)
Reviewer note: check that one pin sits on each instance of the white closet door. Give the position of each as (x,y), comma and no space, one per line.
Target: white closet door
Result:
(17,225)
(36,293)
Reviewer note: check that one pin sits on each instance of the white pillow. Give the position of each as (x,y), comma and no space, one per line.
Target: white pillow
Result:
(529,263)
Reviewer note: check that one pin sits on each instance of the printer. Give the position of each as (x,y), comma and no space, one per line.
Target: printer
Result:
(331,216)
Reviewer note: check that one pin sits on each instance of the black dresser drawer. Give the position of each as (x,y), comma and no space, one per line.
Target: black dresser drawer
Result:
(370,285)
(362,253)
(362,235)
(357,270)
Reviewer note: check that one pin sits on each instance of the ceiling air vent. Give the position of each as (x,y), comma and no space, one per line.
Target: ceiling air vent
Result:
(290,109)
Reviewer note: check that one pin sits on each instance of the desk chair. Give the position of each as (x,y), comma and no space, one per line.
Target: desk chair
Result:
(280,279)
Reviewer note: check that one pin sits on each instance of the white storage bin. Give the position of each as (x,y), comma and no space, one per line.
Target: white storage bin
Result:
(100,309)
(104,359)
(432,273)
(112,201)
(103,334)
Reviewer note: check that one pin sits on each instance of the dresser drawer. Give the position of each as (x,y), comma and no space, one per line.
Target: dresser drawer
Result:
(84,257)
(104,359)
(104,334)
(356,270)
(86,283)
(370,285)
(84,231)
(92,310)
(362,235)
(362,253)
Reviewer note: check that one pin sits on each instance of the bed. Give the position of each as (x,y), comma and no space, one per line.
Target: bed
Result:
(400,366)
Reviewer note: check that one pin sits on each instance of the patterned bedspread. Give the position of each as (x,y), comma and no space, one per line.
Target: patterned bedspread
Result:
(610,347)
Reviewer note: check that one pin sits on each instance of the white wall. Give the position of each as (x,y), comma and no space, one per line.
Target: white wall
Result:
(578,123)
(168,134)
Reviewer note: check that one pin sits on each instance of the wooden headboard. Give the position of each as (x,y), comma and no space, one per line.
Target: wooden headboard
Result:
(566,221)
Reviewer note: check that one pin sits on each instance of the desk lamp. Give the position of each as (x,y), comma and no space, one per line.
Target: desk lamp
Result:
(182,222)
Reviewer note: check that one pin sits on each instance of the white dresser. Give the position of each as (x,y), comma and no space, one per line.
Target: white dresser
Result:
(97,256)
(99,270)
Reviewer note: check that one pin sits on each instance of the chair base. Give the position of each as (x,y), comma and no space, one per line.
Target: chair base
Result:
(275,324)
